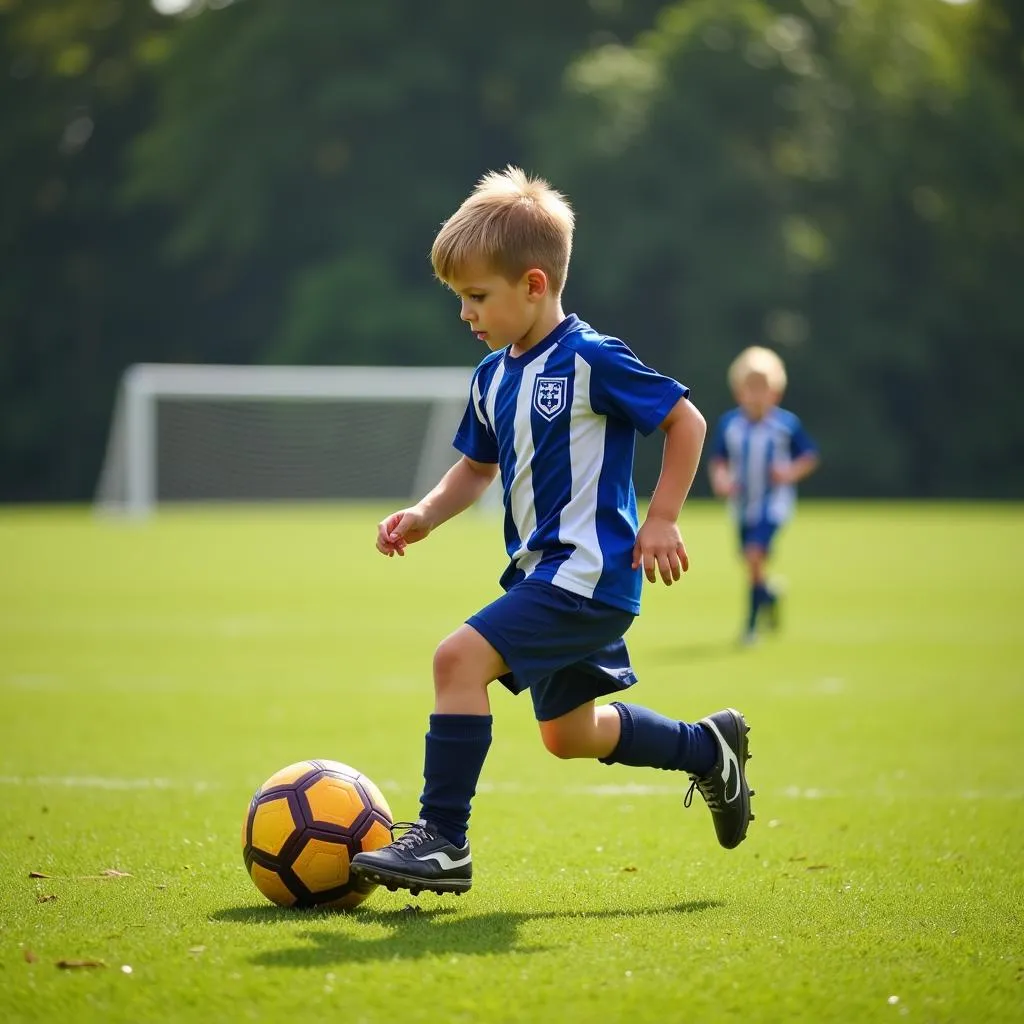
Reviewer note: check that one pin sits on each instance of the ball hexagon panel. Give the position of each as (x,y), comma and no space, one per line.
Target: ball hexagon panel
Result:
(334,801)
(269,883)
(288,776)
(272,825)
(376,836)
(322,864)
(376,796)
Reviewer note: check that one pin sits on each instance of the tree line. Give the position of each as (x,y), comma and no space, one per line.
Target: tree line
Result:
(258,182)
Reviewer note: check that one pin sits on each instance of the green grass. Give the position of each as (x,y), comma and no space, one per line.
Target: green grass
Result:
(152,675)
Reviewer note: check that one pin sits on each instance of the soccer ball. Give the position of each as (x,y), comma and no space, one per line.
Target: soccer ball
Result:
(305,824)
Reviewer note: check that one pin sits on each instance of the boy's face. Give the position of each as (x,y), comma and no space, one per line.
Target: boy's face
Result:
(755,396)
(499,312)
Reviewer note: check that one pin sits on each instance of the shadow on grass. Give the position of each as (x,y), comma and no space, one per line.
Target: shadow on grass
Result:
(703,650)
(415,933)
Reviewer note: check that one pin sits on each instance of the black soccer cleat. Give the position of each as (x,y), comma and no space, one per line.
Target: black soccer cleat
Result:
(725,788)
(421,859)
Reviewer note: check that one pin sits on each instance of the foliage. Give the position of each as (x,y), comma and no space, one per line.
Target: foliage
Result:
(843,184)
(260,182)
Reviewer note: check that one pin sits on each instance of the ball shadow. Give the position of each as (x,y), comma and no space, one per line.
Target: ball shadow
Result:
(414,933)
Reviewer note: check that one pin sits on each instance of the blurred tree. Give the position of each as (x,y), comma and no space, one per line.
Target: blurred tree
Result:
(261,182)
(312,152)
(77,286)
(843,183)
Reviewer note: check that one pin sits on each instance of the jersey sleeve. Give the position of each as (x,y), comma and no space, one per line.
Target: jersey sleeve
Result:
(621,385)
(800,442)
(475,437)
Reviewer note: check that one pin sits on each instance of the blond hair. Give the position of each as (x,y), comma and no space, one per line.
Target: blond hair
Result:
(758,362)
(511,222)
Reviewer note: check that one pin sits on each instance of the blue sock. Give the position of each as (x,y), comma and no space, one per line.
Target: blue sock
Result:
(650,740)
(759,595)
(455,751)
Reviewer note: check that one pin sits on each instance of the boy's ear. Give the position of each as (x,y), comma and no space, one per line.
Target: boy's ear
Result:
(536,283)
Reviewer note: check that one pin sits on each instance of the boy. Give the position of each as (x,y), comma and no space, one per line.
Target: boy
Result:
(555,406)
(759,453)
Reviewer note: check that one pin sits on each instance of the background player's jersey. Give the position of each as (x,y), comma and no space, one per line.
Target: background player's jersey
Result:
(561,423)
(752,448)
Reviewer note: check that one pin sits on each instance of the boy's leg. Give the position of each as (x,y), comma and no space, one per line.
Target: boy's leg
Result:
(434,853)
(761,597)
(620,733)
(713,752)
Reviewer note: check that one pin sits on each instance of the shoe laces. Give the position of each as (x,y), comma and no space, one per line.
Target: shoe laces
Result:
(707,789)
(417,834)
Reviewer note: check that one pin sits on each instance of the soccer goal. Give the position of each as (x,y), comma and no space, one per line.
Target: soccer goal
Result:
(190,433)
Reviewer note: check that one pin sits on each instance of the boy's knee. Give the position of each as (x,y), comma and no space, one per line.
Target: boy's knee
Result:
(449,659)
(455,665)
(563,743)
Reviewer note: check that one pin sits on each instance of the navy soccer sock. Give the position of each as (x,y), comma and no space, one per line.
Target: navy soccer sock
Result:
(760,595)
(650,740)
(455,751)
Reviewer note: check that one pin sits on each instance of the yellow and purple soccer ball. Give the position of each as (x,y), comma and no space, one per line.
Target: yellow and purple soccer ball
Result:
(304,826)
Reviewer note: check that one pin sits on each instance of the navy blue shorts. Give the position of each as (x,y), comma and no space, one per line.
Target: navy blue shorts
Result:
(759,534)
(565,649)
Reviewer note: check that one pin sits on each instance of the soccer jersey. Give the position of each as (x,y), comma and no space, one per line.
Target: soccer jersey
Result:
(752,448)
(561,421)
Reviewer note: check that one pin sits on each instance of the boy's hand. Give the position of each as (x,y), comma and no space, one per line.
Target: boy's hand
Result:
(722,482)
(401,529)
(659,548)
(782,475)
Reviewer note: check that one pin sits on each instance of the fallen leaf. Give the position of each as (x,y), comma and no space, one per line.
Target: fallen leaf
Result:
(161,886)
(818,867)
(629,867)
(30,957)
(38,874)
(197,949)
(66,965)
(49,898)
(799,856)
(114,873)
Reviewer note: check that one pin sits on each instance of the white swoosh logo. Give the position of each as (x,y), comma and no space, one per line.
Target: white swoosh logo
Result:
(730,764)
(445,861)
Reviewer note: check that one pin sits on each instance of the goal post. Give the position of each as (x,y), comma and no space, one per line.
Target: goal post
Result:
(194,432)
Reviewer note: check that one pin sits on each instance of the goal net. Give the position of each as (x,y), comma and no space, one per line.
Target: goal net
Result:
(279,433)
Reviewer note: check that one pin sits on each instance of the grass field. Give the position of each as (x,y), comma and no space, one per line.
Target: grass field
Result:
(152,675)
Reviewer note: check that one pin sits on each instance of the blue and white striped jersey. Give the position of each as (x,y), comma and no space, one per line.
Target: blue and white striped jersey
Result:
(752,448)
(561,423)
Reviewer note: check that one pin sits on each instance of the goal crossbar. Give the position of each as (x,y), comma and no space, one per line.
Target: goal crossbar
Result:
(129,478)
(371,383)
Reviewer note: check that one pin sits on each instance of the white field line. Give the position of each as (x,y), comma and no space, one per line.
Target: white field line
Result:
(511,788)
(101,782)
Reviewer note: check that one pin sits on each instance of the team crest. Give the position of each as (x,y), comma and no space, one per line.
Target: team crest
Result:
(549,396)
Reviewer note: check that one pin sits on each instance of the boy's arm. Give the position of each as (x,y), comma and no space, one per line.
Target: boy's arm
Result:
(722,483)
(455,492)
(659,546)
(799,469)
(684,428)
